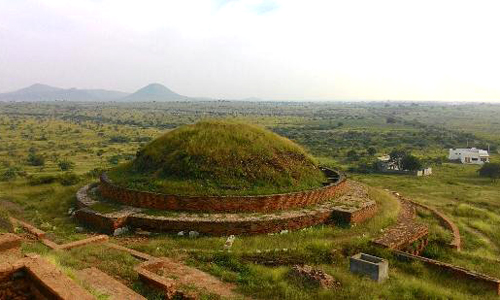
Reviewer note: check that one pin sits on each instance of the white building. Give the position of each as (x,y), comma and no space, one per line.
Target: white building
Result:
(469,155)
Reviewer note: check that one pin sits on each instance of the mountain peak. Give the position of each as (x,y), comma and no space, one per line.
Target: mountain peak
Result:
(155,92)
(40,88)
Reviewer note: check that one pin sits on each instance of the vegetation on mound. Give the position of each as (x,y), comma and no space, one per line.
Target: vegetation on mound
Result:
(220,157)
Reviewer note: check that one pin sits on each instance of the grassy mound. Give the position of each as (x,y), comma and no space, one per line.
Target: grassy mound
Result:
(220,157)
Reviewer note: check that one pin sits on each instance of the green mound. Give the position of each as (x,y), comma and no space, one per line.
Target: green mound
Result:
(221,158)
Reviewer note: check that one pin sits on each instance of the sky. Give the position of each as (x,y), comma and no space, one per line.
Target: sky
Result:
(270,49)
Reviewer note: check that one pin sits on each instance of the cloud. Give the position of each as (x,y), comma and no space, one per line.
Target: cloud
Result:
(280,49)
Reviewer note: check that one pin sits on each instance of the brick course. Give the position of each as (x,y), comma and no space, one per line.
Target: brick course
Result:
(223,224)
(259,203)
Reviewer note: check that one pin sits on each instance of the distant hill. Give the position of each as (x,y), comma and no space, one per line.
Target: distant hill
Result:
(154,92)
(42,92)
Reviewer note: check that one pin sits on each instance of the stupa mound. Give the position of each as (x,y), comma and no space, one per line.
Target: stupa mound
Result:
(220,178)
(220,158)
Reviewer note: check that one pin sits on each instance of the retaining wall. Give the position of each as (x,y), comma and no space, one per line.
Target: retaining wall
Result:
(446,222)
(322,213)
(259,203)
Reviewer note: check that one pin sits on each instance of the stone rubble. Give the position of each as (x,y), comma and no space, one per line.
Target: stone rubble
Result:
(316,276)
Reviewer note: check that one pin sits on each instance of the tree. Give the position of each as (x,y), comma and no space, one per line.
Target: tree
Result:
(352,154)
(491,170)
(411,163)
(371,151)
(391,120)
(396,157)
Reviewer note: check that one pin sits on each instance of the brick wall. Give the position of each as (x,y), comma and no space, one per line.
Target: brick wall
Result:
(488,281)
(261,203)
(445,221)
(220,227)
(354,217)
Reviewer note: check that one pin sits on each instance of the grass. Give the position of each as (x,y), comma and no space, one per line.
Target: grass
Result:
(473,203)
(84,134)
(222,158)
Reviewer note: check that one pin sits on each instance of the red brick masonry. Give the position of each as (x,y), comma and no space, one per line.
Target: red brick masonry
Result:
(47,280)
(224,223)
(259,203)
(445,221)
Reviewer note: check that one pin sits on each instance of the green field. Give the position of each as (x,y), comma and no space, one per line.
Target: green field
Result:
(94,137)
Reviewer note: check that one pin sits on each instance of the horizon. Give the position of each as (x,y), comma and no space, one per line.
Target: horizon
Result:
(237,49)
(246,99)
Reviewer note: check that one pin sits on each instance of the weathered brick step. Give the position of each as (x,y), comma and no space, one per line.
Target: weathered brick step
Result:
(107,285)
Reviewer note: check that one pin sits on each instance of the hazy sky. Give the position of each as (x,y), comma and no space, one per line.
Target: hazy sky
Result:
(272,49)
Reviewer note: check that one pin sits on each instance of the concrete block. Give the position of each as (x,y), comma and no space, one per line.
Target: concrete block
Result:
(375,267)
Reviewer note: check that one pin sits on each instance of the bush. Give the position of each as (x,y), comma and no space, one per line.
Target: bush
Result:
(9,174)
(36,159)
(491,170)
(69,179)
(114,160)
(94,173)
(66,165)
(39,180)
(119,139)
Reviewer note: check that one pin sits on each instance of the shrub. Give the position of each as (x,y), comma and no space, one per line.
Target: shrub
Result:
(114,160)
(391,120)
(39,180)
(69,179)
(491,170)
(9,174)
(66,165)
(119,139)
(94,173)
(36,159)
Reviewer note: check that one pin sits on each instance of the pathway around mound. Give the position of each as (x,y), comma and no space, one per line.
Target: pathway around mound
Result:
(406,231)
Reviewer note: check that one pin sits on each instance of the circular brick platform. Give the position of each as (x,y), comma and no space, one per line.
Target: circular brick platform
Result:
(260,203)
(352,207)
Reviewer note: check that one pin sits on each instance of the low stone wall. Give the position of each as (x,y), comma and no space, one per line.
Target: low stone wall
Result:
(259,203)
